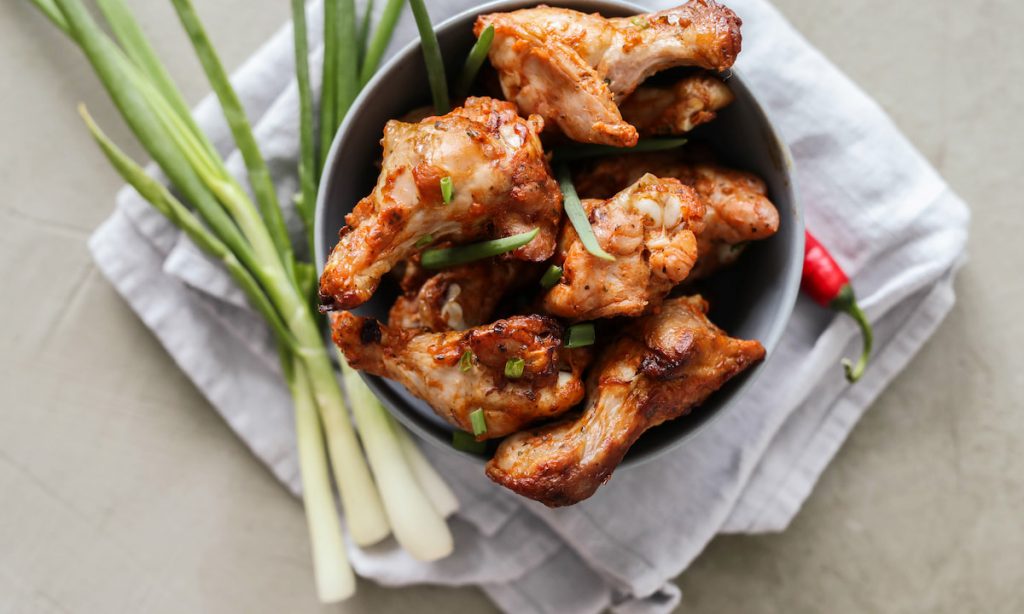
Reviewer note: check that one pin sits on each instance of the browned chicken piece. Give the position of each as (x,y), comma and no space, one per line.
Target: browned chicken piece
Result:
(649,228)
(431,367)
(458,298)
(662,367)
(574,69)
(502,186)
(737,206)
(678,108)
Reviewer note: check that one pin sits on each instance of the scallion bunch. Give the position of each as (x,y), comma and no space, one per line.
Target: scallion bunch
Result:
(397,491)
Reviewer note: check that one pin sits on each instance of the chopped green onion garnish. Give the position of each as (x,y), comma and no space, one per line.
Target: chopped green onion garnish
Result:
(432,56)
(514,368)
(461,440)
(476,418)
(551,276)
(447,190)
(476,58)
(578,216)
(466,361)
(454,256)
(580,335)
(580,152)
(425,240)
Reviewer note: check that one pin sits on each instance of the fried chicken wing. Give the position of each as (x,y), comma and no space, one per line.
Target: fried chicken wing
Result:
(737,206)
(574,69)
(662,367)
(649,228)
(457,298)
(678,108)
(502,186)
(428,365)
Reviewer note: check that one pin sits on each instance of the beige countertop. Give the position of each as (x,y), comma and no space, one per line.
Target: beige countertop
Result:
(122,491)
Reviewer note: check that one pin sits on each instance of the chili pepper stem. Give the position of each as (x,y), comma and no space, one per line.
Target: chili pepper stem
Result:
(846,302)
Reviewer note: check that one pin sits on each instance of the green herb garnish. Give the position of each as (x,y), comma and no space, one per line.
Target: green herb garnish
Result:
(514,368)
(580,335)
(551,277)
(454,256)
(447,190)
(578,216)
(479,422)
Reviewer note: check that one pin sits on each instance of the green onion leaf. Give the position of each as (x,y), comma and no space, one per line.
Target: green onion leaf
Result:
(474,61)
(463,441)
(381,37)
(514,368)
(479,422)
(347,61)
(308,178)
(447,190)
(581,152)
(259,174)
(53,13)
(364,32)
(425,240)
(329,82)
(580,335)
(578,216)
(466,361)
(551,276)
(454,256)
(432,57)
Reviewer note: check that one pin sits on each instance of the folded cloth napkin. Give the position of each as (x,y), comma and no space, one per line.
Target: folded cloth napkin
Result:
(891,222)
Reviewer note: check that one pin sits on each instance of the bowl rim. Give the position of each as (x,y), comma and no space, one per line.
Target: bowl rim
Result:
(791,282)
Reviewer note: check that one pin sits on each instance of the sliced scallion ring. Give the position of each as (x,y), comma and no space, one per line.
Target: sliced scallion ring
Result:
(466,361)
(479,422)
(514,368)
(447,190)
(580,335)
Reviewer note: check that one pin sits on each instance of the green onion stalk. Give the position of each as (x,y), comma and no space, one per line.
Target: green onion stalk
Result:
(415,499)
(250,240)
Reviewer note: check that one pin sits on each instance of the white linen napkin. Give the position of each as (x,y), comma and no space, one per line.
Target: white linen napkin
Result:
(888,218)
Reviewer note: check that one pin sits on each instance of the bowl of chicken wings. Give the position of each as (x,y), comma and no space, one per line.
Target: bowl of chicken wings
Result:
(579,264)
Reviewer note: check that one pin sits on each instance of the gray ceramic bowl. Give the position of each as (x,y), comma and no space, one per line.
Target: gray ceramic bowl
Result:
(753,300)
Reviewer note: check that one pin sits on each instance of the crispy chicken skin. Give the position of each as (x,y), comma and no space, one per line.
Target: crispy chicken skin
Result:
(737,206)
(427,364)
(456,298)
(502,186)
(649,228)
(573,68)
(662,367)
(678,108)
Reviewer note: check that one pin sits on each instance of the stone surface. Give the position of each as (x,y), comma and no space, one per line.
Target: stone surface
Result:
(123,492)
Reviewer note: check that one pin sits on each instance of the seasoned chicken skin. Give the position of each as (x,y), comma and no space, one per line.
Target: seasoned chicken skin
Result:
(502,186)
(457,298)
(737,206)
(429,366)
(649,228)
(662,367)
(574,69)
(678,108)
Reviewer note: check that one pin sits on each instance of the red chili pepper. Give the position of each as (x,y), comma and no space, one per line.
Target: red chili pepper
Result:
(826,283)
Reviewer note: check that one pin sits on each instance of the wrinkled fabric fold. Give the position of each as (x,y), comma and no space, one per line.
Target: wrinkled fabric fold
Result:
(889,219)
